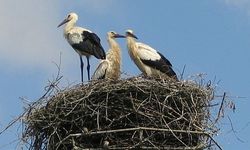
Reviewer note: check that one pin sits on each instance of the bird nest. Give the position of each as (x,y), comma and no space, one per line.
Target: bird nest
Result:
(135,113)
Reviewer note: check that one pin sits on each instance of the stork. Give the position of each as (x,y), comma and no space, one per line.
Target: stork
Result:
(83,41)
(110,67)
(148,60)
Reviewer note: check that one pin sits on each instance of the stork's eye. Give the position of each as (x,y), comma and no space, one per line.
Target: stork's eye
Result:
(68,16)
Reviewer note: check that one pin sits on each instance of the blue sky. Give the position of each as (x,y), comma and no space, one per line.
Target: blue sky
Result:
(211,37)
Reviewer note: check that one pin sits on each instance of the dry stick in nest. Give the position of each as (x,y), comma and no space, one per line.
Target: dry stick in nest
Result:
(140,129)
(221,108)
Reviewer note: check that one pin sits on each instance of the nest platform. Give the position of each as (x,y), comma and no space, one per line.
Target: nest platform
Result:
(135,113)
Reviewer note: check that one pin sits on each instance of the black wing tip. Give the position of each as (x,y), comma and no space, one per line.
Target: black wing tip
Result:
(103,54)
(172,74)
(99,53)
(162,66)
(102,57)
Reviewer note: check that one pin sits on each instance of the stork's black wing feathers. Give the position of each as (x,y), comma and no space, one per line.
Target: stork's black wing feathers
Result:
(92,37)
(165,59)
(92,43)
(162,64)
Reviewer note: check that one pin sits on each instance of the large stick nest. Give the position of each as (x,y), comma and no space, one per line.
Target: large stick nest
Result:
(130,113)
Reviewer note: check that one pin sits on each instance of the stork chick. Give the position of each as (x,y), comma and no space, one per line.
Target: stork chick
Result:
(110,67)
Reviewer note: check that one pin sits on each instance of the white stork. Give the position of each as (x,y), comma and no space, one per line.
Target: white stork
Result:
(83,41)
(110,67)
(147,59)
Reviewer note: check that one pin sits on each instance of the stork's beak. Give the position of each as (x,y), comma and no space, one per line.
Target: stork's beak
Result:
(63,22)
(119,36)
(132,35)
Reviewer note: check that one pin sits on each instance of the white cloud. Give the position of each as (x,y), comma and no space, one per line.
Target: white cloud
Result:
(237,2)
(241,4)
(29,36)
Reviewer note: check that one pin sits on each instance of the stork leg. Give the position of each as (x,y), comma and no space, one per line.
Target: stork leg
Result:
(88,67)
(81,68)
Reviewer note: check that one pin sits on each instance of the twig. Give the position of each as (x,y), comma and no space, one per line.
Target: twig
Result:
(234,130)
(221,108)
(182,73)
(215,142)
(138,129)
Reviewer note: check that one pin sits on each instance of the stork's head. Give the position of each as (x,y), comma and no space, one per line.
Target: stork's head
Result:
(70,17)
(130,33)
(113,34)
